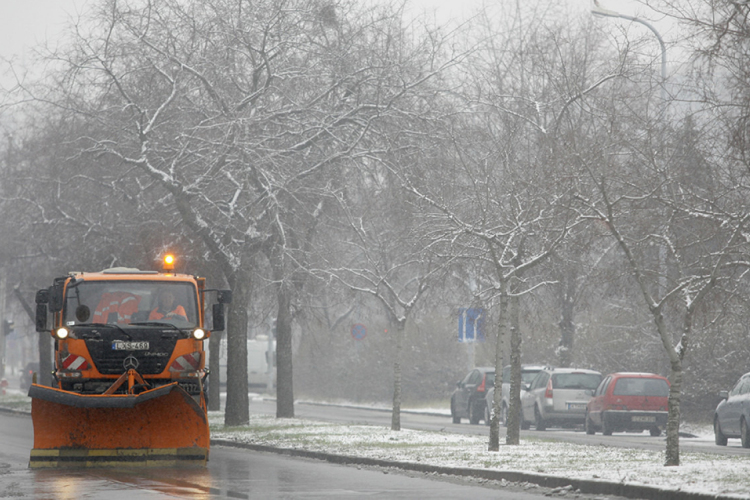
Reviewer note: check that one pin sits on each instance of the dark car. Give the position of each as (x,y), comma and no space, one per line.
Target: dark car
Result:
(629,402)
(27,375)
(733,414)
(467,400)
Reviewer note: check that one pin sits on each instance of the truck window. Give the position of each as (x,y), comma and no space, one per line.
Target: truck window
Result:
(126,302)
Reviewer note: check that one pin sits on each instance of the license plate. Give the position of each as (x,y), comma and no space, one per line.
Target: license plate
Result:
(576,406)
(643,419)
(120,345)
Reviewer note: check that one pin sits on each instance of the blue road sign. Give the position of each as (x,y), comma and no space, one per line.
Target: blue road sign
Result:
(471,324)
(359,331)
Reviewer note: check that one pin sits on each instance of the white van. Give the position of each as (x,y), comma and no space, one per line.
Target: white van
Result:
(259,353)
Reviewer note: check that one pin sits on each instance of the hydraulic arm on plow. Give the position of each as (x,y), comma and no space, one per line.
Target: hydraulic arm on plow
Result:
(130,374)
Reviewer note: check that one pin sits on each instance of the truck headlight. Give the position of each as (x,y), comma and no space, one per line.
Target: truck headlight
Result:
(62,333)
(199,333)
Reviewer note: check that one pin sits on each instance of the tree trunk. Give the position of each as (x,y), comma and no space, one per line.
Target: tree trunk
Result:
(673,421)
(675,388)
(284,362)
(238,403)
(214,378)
(497,398)
(396,413)
(513,432)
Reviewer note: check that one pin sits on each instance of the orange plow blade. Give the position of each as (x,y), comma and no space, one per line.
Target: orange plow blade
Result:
(160,427)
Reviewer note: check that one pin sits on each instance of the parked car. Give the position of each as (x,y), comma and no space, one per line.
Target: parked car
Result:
(27,375)
(629,402)
(467,401)
(528,373)
(558,396)
(733,414)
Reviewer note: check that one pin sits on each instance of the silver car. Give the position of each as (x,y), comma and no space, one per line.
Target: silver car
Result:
(558,396)
(528,373)
(732,416)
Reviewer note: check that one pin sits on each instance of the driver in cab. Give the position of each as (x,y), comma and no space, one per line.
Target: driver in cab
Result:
(166,308)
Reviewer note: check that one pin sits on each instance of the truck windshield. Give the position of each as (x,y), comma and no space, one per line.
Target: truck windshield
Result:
(127,302)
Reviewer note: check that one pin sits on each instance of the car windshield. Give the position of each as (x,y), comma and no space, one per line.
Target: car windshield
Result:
(576,380)
(123,303)
(641,387)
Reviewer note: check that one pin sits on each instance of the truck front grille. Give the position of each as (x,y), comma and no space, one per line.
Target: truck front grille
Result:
(146,362)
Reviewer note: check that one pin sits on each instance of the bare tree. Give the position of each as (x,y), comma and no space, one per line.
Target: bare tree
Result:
(242,117)
(511,170)
(393,264)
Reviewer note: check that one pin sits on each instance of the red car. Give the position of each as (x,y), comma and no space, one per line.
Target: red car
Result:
(628,402)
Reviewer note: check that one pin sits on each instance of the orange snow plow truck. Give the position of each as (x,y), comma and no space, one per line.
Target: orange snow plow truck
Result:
(129,383)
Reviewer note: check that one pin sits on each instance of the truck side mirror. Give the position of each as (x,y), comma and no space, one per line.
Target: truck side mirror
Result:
(55,297)
(42,298)
(218,316)
(224,296)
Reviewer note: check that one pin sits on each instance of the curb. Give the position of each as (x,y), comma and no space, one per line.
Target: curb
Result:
(585,486)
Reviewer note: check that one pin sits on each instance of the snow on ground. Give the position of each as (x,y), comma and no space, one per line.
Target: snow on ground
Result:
(699,472)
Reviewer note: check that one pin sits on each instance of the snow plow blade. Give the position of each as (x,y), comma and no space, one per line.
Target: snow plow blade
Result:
(159,427)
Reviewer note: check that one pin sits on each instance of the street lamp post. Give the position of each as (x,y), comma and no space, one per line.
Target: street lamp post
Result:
(600,11)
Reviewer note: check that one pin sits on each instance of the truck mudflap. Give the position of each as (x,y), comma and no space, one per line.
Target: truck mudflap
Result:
(159,427)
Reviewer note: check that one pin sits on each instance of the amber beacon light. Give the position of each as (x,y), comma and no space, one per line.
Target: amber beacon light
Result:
(169,262)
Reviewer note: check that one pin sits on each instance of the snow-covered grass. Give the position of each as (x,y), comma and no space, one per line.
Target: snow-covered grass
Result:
(699,472)
(15,400)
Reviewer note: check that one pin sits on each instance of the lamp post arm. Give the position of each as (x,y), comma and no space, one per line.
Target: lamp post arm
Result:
(598,11)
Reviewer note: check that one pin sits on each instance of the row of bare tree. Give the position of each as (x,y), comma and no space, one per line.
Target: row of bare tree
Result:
(326,157)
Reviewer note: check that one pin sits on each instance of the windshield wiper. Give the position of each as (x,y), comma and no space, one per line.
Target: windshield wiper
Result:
(90,335)
(156,323)
(160,324)
(112,325)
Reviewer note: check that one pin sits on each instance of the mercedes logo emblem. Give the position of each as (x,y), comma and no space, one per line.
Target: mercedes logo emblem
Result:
(130,363)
